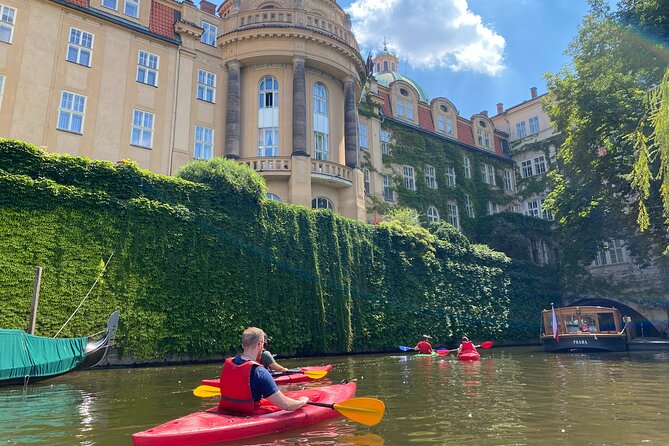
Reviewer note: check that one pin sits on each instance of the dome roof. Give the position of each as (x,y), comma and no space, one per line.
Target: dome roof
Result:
(387,77)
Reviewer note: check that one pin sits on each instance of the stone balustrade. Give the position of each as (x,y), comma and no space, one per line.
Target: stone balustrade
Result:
(269,165)
(331,172)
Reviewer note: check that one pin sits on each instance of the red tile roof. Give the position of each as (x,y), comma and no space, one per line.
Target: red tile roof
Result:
(465,134)
(386,103)
(162,20)
(498,146)
(425,118)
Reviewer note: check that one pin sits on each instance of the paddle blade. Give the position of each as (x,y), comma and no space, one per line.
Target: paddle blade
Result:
(486,344)
(405,348)
(315,374)
(207,391)
(443,351)
(367,411)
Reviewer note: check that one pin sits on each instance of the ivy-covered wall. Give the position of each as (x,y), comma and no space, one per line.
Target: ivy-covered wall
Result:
(195,263)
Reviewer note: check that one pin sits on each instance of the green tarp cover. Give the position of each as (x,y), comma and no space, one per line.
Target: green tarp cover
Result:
(24,355)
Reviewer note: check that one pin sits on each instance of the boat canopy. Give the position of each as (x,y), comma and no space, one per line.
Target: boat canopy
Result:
(24,355)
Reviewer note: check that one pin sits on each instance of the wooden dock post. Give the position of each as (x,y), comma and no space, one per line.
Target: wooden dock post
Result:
(33,308)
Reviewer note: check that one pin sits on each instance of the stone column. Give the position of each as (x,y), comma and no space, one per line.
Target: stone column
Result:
(233,111)
(299,109)
(350,124)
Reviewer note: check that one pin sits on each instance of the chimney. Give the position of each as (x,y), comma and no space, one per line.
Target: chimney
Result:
(485,113)
(207,7)
(533,91)
(500,108)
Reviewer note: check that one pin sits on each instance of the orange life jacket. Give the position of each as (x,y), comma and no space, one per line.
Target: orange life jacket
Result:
(236,395)
(467,346)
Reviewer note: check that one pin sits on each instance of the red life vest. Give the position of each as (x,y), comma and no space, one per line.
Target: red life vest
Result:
(467,346)
(236,395)
(424,348)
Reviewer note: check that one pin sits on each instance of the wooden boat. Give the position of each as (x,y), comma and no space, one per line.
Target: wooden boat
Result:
(584,328)
(26,358)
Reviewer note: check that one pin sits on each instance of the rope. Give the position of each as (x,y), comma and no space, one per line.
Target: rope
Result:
(86,296)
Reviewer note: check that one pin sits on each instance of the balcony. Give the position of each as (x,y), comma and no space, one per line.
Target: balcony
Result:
(331,173)
(269,166)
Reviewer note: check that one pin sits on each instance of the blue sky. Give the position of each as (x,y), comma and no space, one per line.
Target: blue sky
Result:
(475,53)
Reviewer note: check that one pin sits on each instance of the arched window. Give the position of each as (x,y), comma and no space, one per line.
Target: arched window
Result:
(432,215)
(385,65)
(321,123)
(393,66)
(321,203)
(273,197)
(268,117)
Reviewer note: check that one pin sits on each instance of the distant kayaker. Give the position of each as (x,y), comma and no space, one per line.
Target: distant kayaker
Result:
(466,346)
(424,347)
(244,382)
(267,359)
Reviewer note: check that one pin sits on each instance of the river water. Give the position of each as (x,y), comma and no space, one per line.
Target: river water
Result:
(513,396)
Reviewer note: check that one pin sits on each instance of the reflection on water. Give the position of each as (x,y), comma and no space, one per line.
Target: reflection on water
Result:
(512,396)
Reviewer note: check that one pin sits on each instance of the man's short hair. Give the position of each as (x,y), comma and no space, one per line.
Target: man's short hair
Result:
(252,336)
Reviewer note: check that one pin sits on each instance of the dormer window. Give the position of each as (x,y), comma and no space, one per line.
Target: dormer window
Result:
(482,124)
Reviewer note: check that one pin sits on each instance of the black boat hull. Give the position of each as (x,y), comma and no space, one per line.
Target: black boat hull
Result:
(585,342)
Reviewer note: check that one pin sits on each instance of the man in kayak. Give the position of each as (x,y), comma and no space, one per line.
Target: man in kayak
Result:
(424,347)
(466,346)
(267,359)
(244,382)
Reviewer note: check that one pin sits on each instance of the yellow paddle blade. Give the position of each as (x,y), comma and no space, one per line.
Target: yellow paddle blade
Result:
(367,411)
(315,374)
(207,391)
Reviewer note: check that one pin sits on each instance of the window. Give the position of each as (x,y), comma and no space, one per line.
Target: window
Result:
(368,183)
(449,125)
(80,47)
(273,197)
(7,20)
(488,174)
(440,123)
(71,112)
(409,178)
(545,213)
(206,86)
(147,68)
(534,125)
(111,4)
(533,208)
(467,167)
(362,136)
(321,203)
(612,253)
(268,117)
(204,142)
(450,176)
(492,208)
(385,142)
(469,205)
(404,108)
(430,177)
(268,141)
(388,193)
(453,214)
(268,93)
(521,132)
(131,8)
(508,180)
(209,34)
(2,88)
(540,165)
(526,168)
(432,215)
(142,129)
(385,65)
(533,166)
(321,123)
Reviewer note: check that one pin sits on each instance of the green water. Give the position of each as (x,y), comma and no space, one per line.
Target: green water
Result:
(513,396)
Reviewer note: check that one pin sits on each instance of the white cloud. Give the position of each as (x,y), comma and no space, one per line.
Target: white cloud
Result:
(429,33)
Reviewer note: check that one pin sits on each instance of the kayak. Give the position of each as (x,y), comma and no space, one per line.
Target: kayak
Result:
(211,426)
(426,354)
(469,356)
(279,378)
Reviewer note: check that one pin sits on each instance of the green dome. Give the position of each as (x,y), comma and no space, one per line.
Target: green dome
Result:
(387,77)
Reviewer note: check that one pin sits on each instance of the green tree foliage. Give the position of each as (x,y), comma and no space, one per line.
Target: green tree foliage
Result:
(595,102)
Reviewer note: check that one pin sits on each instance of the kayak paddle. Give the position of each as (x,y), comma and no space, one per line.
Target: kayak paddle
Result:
(367,411)
(404,348)
(486,344)
(313,374)
(442,351)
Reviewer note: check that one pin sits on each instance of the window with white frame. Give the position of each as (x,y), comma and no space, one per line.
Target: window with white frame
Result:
(321,122)
(467,167)
(404,108)
(453,217)
(209,34)
(362,136)
(488,174)
(533,166)
(147,68)
(409,178)
(268,117)
(206,86)
(526,168)
(534,125)
(385,142)
(469,206)
(7,21)
(368,181)
(545,213)
(80,47)
(71,112)
(430,177)
(441,126)
(432,215)
(521,131)
(388,193)
(450,176)
(483,138)
(111,4)
(268,92)
(540,164)
(321,203)
(508,180)
(444,123)
(2,88)
(487,143)
(613,252)
(533,207)
(204,142)
(131,8)
(493,208)
(268,141)
(142,129)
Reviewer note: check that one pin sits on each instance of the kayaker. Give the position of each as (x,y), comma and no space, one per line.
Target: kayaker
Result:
(244,382)
(267,359)
(466,346)
(424,347)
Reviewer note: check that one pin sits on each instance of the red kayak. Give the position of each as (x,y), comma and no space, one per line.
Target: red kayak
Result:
(211,426)
(281,378)
(469,356)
